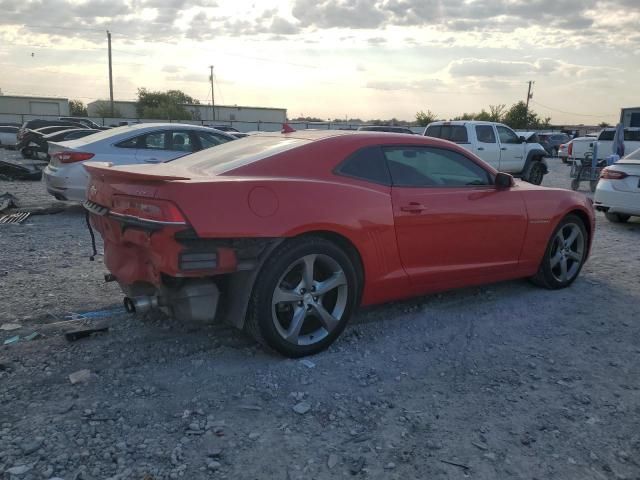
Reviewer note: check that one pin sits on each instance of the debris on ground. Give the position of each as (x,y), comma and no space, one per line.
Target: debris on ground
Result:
(302,408)
(81,376)
(11,170)
(78,334)
(108,312)
(7,201)
(14,217)
(10,326)
(11,340)
(307,363)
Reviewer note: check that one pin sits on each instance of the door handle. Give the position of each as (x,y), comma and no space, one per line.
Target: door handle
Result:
(503,148)
(152,160)
(480,148)
(413,207)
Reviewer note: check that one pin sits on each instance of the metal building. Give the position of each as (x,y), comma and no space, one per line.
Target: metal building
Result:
(34,106)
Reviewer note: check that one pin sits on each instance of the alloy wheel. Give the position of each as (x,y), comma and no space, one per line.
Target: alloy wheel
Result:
(567,252)
(309,299)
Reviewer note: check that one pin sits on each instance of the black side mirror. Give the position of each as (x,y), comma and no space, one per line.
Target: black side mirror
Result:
(522,139)
(503,180)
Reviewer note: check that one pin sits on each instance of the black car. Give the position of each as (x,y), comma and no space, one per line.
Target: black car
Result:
(32,142)
(40,123)
(223,128)
(85,122)
(386,128)
(551,141)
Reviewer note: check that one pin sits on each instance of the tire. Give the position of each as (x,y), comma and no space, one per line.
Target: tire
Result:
(536,173)
(617,217)
(285,313)
(575,184)
(562,261)
(592,185)
(27,152)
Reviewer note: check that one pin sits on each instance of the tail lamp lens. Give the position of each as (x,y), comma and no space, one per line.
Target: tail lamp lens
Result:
(72,157)
(147,209)
(609,174)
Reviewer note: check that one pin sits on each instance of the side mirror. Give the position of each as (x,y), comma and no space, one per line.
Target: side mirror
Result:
(503,180)
(522,139)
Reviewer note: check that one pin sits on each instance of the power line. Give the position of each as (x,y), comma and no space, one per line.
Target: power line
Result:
(571,113)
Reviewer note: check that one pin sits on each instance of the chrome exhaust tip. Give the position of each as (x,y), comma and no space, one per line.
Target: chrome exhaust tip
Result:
(140,304)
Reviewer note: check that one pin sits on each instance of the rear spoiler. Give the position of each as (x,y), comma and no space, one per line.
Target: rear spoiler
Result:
(145,173)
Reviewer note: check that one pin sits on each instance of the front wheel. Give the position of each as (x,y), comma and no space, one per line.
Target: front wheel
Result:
(536,173)
(565,254)
(617,217)
(303,297)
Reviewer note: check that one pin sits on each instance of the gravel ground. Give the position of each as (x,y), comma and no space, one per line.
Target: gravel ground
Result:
(506,381)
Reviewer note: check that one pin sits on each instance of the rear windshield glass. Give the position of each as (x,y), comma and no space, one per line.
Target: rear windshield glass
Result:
(453,133)
(607,135)
(238,153)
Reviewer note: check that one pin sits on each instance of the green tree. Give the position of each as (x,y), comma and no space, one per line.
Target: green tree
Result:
(517,117)
(77,108)
(496,112)
(425,118)
(103,109)
(169,104)
(603,125)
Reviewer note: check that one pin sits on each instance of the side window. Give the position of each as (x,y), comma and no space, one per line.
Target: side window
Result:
(180,142)
(130,143)
(366,164)
(153,141)
(208,140)
(453,133)
(507,135)
(433,167)
(485,134)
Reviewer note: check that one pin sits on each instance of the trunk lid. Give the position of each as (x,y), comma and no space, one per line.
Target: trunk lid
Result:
(631,183)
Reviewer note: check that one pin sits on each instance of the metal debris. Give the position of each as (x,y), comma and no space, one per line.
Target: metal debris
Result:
(78,334)
(15,217)
(7,201)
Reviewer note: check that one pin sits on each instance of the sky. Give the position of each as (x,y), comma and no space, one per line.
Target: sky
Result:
(334,58)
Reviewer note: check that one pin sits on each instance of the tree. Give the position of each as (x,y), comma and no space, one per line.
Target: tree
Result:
(169,104)
(425,118)
(496,112)
(77,108)
(603,125)
(306,119)
(103,109)
(517,117)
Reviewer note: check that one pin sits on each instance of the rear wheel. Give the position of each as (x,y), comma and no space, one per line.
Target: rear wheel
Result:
(565,254)
(27,152)
(617,217)
(303,297)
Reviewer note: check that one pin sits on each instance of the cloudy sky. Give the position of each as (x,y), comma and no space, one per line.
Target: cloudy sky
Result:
(334,58)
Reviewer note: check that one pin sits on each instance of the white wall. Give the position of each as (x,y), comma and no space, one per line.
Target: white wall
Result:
(34,106)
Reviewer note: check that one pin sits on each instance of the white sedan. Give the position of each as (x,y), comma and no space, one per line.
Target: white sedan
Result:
(66,178)
(618,190)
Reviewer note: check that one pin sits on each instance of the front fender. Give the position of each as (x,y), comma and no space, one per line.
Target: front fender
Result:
(532,155)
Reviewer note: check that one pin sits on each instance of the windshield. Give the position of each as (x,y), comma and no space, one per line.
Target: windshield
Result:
(238,153)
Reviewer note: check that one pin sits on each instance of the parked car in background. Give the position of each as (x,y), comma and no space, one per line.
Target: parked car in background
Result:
(584,145)
(564,151)
(66,179)
(65,135)
(496,144)
(386,128)
(86,122)
(39,123)
(8,136)
(223,128)
(529,137)
(551,141)
(291,232)
(32,143)
(618,191)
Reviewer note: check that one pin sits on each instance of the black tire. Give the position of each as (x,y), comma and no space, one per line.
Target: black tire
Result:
(592,185)
(536,173)
(575,184)
(547,275)
(617,217)
(27,152)
(266,320)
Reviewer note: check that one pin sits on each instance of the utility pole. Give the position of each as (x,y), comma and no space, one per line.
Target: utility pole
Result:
(526,110)
(110,73)
(213,102)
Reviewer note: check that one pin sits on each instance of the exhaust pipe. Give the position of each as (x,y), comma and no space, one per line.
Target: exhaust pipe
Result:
(140,304)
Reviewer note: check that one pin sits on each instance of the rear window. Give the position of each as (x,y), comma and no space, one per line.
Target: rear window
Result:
(632,135)
(453,133)
(607,135)
(238,153)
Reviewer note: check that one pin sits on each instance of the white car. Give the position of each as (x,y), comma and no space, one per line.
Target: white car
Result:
(618,190)
(564,151)
(8,136)
(66,178)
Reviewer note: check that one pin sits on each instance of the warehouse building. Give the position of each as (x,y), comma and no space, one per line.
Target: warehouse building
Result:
(35,106)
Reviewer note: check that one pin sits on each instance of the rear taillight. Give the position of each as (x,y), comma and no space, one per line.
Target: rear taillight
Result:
(147,209)
(570,149)
(71,157)
(609,174)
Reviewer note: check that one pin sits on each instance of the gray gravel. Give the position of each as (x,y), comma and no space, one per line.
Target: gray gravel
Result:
(506,381)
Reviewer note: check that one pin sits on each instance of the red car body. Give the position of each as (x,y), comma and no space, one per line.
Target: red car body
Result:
(410,241)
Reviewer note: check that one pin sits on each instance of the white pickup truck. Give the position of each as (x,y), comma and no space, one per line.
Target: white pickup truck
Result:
(583,145)
(497,145)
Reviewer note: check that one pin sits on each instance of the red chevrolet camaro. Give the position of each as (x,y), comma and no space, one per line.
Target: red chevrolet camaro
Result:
(286,234)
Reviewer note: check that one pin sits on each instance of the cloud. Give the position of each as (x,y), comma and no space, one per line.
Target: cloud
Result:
(425,85)
(376,41)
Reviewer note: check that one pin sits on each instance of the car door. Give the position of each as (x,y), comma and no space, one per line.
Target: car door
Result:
(511,150)
(452,223)
(159,146)
(487,145)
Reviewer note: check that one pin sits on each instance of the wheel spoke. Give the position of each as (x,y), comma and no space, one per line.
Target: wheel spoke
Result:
(293,332)
(563,270)
(334,281)
(307,271)
(574,256)
(556,259)
(329,322)
(572,236)
(282,295)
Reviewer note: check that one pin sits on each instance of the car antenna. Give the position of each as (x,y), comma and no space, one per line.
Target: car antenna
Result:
(286,128)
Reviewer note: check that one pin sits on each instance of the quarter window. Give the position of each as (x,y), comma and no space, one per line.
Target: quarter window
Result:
(181,142)
(208,140)
(366,164)
(433,167)
(453,133)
